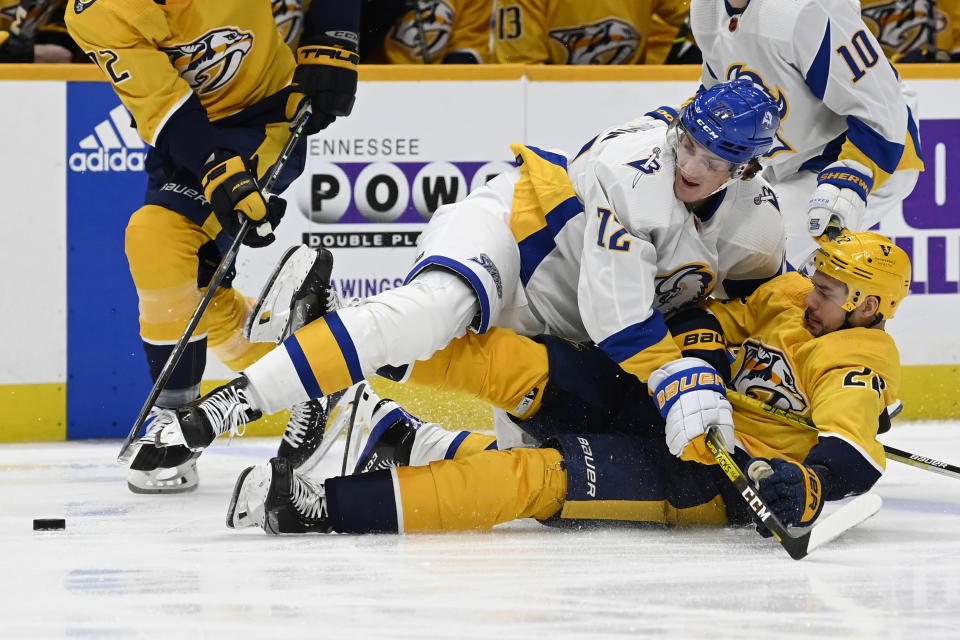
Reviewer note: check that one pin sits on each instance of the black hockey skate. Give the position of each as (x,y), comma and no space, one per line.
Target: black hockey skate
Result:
(297,293)
(293,503)
(305,431)
(196,424)
(391,435)
(166,470)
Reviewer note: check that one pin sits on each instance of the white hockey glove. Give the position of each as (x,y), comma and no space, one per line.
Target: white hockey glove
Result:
(840,196)
(691,398)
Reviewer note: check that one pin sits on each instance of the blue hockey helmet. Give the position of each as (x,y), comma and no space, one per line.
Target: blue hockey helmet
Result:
(736,120)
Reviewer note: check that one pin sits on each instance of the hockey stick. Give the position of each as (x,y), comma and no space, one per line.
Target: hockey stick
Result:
(297,127)
(798,546)
(788,417)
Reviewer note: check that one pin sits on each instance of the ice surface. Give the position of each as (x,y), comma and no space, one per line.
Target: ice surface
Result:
(133,566)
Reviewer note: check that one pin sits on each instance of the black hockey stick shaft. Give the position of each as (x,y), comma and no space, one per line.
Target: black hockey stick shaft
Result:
(795,546)
(791,418)
(297,127)
(353,420)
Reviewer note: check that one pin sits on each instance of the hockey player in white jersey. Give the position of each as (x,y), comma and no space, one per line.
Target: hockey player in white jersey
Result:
(848,147)
(595,246)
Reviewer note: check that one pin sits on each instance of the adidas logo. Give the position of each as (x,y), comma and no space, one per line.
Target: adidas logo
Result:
(114,145)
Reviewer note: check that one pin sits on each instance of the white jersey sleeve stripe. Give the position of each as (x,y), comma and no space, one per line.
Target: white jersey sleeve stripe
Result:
(818,75)
(880,151)
(631,340)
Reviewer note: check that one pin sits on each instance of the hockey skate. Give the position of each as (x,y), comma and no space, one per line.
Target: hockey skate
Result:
(249,494)
(382,431)
(169,476)
(304,435)
(297,293)
(292,502)
(161,470)
(196,424)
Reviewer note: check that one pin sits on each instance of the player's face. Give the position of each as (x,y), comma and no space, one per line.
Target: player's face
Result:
(825,312)
(699,172)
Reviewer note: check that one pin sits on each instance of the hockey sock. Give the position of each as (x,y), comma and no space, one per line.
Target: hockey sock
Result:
(482,490)
(432,442)
(363,503)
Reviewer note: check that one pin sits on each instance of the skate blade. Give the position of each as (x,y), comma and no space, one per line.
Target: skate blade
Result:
(266,322)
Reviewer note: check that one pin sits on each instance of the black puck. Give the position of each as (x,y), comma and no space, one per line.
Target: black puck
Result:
(49,524)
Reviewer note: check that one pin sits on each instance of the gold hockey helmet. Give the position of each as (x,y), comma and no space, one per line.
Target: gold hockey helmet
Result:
(870,264)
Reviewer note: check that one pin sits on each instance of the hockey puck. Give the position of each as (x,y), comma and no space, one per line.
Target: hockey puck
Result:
(49,524)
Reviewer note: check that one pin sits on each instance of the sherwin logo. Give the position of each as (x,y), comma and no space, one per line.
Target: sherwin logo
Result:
(114,145)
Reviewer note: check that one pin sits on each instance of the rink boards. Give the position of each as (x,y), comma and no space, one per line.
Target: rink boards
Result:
(71,363)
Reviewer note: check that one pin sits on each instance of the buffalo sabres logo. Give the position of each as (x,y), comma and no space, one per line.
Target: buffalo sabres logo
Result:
(767,121)
(740,70)
(436,20)
(646,166)
(766,195)
(209,63)
(766,375)
(686,285)
(904,25)
(288,14)
(606,42)
(484,261)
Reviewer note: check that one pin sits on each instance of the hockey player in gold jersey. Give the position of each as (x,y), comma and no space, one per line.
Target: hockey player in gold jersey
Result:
(33,31)
(435,32)
(570,32)
(211,88)
(814,346)
(915,30)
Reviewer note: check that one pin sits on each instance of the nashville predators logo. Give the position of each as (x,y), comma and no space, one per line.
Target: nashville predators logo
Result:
(605,42)
(211,62)
(766,375)
(435,20)
(740,70)
(687,285)
(904,25)
(288,14)
(80,5)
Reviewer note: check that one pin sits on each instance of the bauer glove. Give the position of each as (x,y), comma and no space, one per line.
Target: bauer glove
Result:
(691,398)
(232,190)
(840,197)
(793,490)
(326,73)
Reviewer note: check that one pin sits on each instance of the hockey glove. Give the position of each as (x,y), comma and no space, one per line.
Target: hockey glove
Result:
(794,491)
(841,196)
(327,74)
(691,398)
(14,48)
(232,190)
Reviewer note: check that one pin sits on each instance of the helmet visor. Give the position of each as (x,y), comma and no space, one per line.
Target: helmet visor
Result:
(689,150)
(834,288)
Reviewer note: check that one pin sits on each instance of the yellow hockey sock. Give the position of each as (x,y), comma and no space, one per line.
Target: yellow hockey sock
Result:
(482,490)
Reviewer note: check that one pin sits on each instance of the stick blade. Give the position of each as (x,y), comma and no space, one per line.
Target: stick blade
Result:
(848,516)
